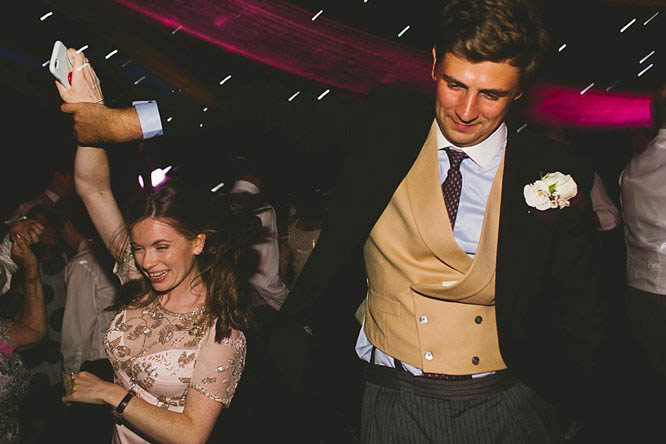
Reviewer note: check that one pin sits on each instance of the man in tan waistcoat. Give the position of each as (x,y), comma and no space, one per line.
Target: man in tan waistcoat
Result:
(472,244)
(482,314)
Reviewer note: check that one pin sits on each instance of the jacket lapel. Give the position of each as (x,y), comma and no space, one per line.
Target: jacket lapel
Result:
(522,243)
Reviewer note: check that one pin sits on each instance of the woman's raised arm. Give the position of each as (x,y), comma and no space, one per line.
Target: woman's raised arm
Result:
(92,176)
(92,179)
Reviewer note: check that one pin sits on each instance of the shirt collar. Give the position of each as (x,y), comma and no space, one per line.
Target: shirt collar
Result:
(661,133)
(243,186)
(83,244)
(481,153)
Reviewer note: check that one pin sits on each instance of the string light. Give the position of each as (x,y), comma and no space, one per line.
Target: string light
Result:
(627,25)
(587,89)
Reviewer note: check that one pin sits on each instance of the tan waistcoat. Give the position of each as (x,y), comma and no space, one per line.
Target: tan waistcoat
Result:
(429,304)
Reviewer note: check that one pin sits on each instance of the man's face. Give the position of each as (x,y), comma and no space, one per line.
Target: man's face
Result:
(472,98)
(49,242)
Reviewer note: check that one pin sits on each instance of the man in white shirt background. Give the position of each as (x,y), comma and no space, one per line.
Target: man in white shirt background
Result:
(266,285)
(643,184)
(258,394)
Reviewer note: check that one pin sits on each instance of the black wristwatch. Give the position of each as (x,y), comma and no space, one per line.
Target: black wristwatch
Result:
(117,413)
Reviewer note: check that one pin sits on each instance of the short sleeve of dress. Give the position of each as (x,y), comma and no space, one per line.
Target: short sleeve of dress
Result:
(219,366)
(126,269)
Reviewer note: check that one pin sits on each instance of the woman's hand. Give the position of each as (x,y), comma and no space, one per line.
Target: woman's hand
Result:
(85,86)
(22,254)
(30,230)
(89,389)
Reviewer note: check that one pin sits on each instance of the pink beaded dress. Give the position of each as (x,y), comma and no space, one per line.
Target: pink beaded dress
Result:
(161,355)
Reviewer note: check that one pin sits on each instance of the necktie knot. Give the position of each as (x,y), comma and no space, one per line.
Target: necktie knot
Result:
(453,184)
(455,158)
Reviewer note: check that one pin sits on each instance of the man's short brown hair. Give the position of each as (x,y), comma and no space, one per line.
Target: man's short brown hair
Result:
(494,30)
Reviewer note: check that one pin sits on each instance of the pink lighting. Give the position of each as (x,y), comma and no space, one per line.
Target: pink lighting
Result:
(284,36)
(158,176)
(554,104)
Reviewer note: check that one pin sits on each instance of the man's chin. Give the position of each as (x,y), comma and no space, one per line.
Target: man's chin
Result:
(462,140)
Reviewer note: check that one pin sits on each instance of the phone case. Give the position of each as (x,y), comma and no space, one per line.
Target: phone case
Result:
(61,63)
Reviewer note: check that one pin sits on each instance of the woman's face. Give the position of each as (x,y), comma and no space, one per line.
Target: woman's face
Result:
(164,256)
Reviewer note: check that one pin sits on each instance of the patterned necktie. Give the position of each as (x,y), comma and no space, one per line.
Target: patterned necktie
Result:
(453,184)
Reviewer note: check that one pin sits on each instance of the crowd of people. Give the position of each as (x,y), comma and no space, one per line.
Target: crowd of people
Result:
(455,294)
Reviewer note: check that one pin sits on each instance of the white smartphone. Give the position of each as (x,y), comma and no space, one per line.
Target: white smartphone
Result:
(61,64)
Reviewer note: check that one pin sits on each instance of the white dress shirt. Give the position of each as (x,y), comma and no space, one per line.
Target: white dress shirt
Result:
(266,283)
(7,265)
(643,184)
(149,118)
(90,290)
(478,173)
(603,206)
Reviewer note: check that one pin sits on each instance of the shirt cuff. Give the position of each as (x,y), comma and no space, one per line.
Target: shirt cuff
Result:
(149,117)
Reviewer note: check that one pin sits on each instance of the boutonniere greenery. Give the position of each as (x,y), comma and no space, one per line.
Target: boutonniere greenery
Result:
(554,190)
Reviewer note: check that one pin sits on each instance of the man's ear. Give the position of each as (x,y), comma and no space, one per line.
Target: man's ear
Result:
(199,243)
(434,64)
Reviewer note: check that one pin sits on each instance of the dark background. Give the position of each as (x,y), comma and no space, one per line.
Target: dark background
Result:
(35,135)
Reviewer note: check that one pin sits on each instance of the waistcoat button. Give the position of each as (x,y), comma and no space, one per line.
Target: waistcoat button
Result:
(478,319)
(429,356)
(475,360)
(423,319)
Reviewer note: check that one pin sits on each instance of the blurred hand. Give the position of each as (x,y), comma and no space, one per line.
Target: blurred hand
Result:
(85,86)
(95,124)
(89,389)
(28,229)
(22,254)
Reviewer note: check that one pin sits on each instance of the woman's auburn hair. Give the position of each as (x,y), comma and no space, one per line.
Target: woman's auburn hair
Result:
(226,262)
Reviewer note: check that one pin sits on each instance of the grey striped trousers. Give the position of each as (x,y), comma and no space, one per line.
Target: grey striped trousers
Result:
(455,412)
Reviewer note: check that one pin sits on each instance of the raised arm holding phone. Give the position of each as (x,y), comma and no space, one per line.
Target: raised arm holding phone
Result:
(95,123)
(176,343)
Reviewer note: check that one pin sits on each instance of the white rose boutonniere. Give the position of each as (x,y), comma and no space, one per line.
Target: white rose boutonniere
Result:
(554,190)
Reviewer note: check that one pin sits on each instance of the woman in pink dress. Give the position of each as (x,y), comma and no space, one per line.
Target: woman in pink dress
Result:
(176,344)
